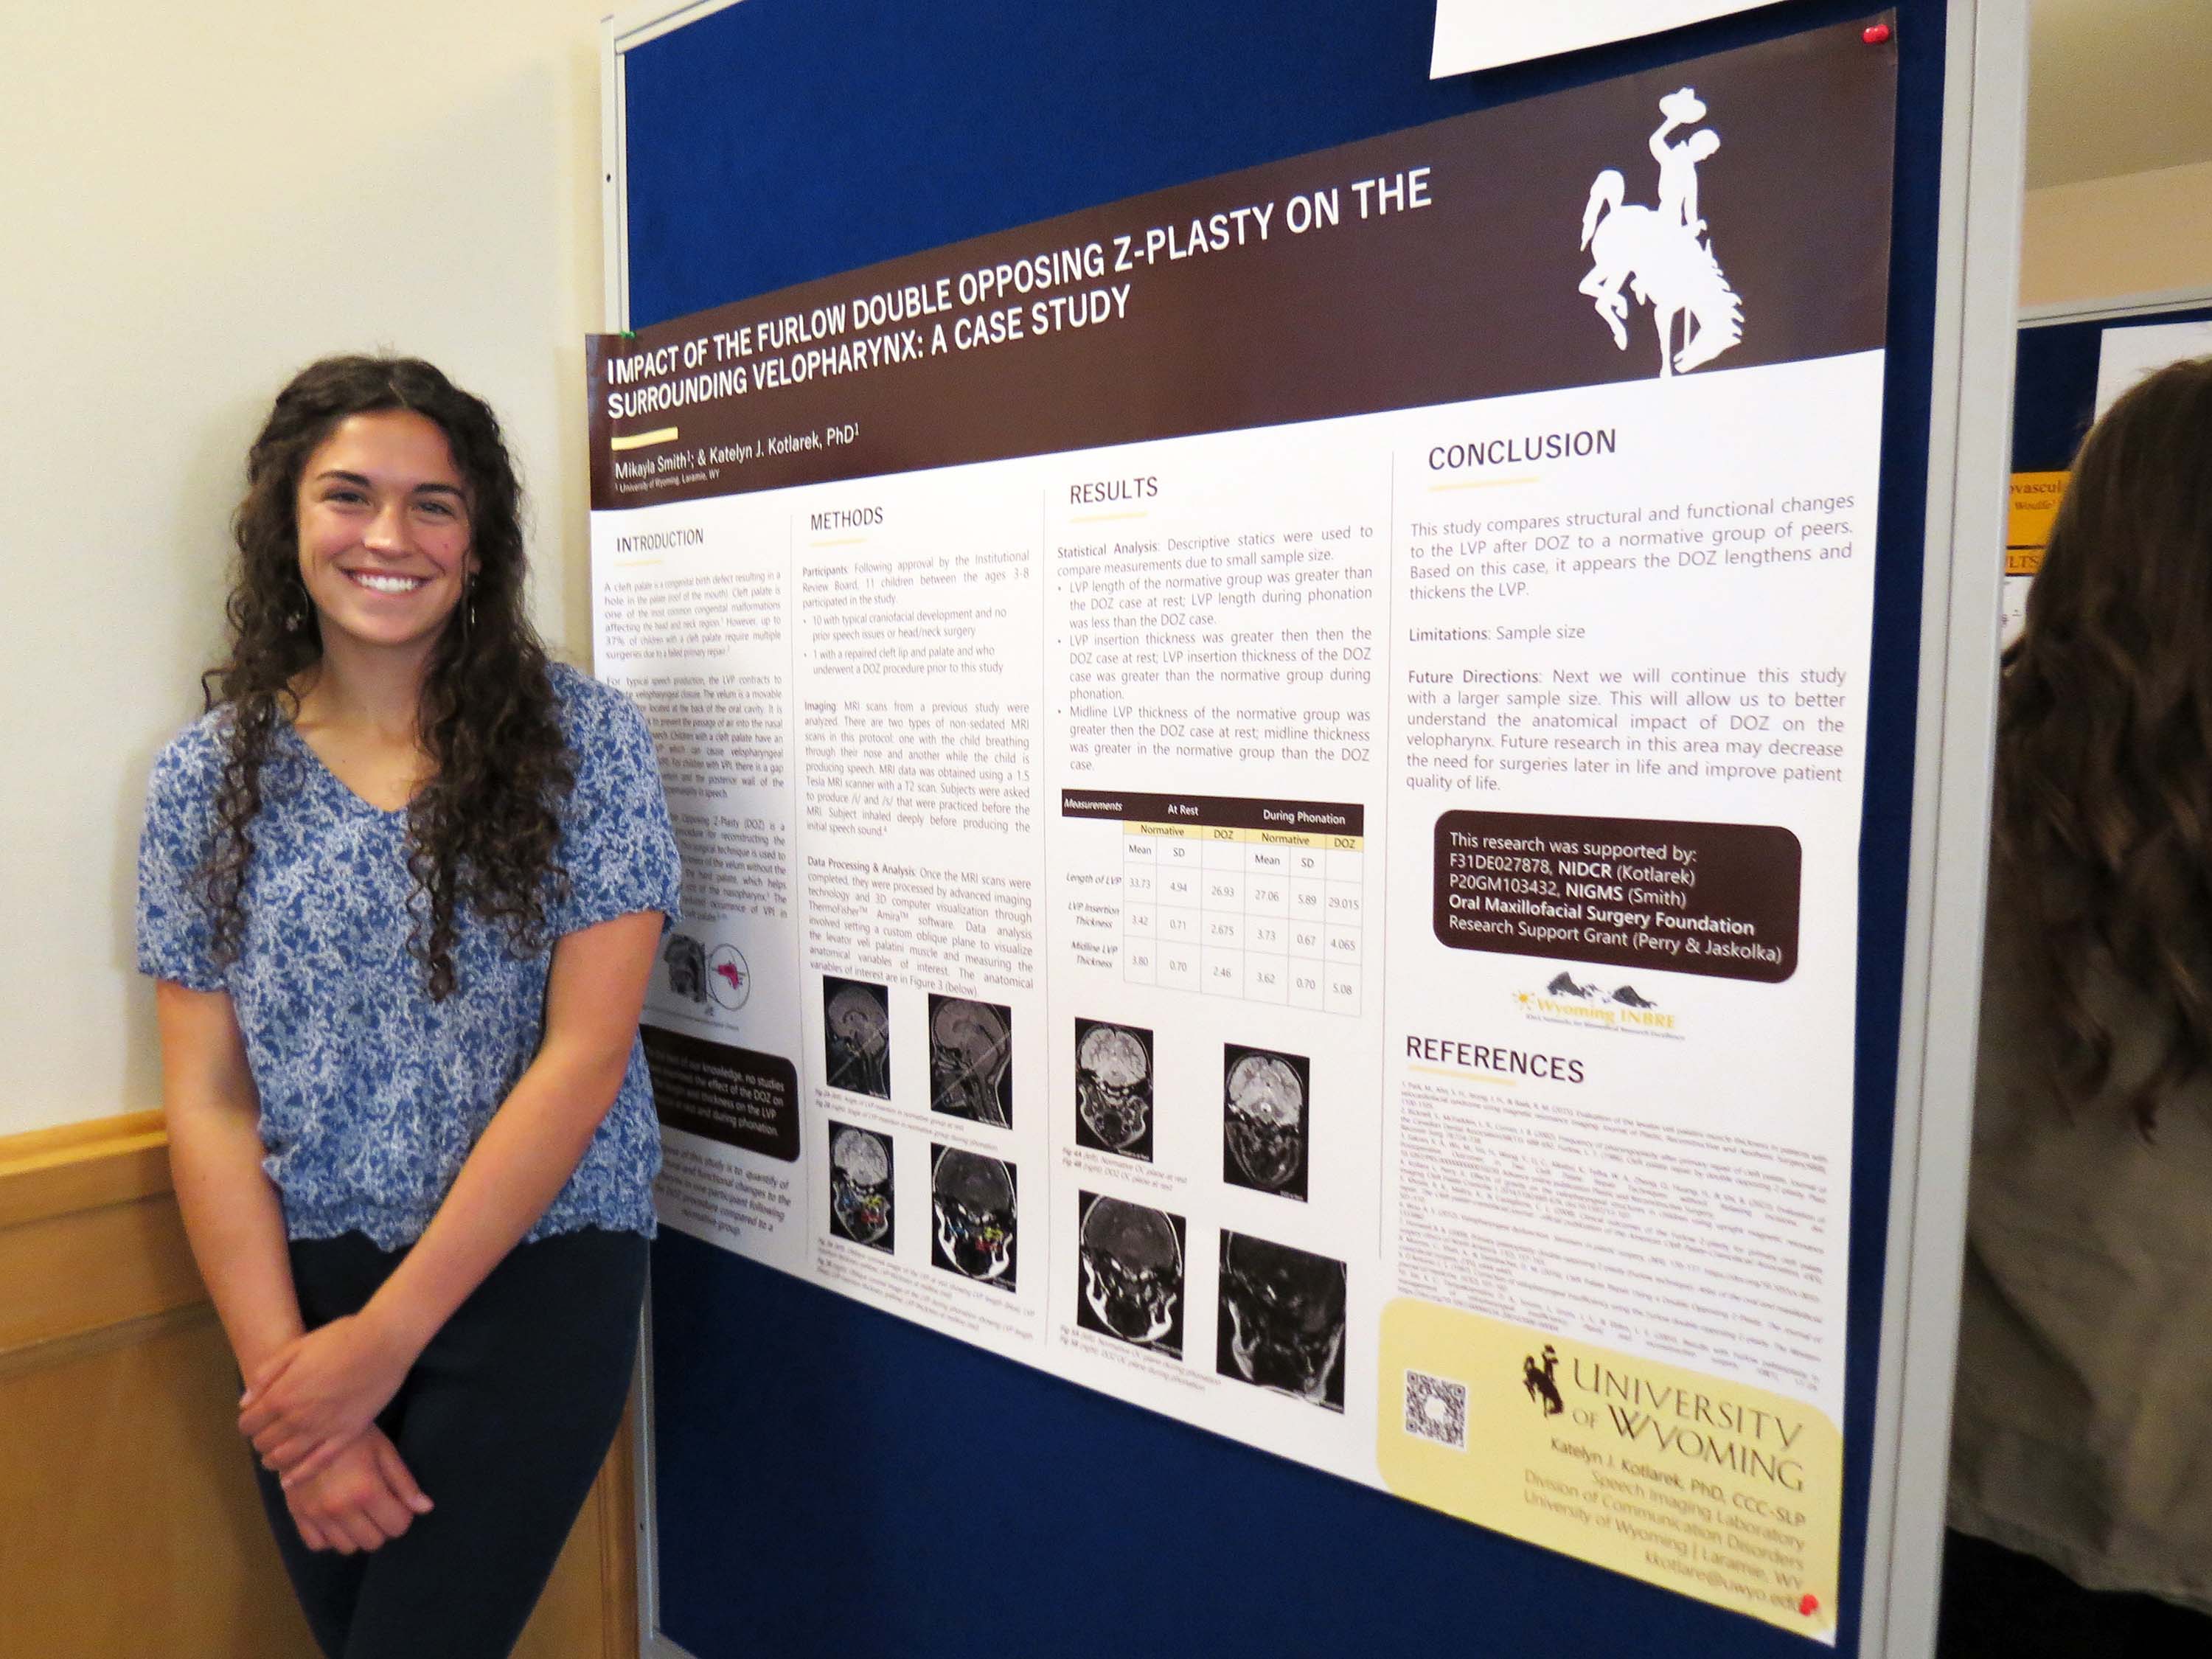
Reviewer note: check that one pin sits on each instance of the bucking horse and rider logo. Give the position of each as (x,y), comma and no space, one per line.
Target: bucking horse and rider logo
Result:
(1543,1381)
(1662,253)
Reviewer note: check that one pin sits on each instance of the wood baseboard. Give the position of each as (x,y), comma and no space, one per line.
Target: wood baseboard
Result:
(82,1166)
(132,1524)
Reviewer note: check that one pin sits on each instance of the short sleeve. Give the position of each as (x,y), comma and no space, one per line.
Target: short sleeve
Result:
(616,845)
(173,927)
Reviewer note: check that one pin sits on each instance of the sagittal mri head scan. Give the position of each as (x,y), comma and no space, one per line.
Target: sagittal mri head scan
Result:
(861,1185)
(1282,1320)
(970,1050)
(973,1199)
(1114,1087)
(856,1036)
(687,967)
(1132,1273)
(1264,1120)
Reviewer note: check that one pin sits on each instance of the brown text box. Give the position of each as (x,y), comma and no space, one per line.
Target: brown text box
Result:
(735,1096)
(1719,899)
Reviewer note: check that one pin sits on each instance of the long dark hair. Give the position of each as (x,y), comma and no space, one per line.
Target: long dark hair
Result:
(485,829)
(2104,798)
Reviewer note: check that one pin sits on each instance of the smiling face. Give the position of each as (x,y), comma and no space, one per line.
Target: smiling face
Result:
(384,532)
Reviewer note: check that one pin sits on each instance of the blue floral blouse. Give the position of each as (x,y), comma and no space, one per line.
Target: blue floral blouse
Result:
(372,1095)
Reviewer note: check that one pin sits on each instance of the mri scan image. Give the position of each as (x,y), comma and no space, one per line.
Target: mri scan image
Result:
(970,1049)
(861,1185)
(1282,1320)
(1131,1264)
(686,960)
(972,1199)
(1264,1120)
(1114,1087)
(856,1036)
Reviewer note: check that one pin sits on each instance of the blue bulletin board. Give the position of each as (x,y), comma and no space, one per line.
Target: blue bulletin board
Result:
(826,1479)
(2055,379)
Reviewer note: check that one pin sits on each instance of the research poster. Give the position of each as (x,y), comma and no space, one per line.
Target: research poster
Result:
(1270,777)
(2031,510)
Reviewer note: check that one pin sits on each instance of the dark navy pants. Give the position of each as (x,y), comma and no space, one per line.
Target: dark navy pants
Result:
(504,1422)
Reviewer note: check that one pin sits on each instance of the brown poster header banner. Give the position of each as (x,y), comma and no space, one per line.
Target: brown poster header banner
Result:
(1497,253)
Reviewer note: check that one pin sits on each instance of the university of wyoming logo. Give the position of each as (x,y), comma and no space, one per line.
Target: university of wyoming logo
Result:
(1662,254)
(1543,1381)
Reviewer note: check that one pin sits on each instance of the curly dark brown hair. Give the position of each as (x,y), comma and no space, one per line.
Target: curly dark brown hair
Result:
(485,830)
(2104,777)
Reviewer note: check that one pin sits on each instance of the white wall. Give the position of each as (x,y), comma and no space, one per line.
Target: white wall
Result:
(195,200)
(2139,233)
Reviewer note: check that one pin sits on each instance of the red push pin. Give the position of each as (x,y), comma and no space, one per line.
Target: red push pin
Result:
(1809,1604)
(1875,33)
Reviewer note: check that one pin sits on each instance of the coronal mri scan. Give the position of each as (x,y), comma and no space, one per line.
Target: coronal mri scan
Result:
(1264,1120)
(1132,1273)
(1282,1320)
(970,1051)
(861,1185)
(973,1200)
(856,1036)
(1114,1087)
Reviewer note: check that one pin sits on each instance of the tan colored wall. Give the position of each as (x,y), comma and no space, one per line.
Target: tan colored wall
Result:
(2141,232)
(195,200)
(131,1525)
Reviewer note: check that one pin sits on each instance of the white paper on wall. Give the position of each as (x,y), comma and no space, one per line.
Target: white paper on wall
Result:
(1480,35)
(2131,350)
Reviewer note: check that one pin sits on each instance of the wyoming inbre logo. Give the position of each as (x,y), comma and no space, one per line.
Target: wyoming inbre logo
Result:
(1563,985)
(1661,252)
(1566,1001)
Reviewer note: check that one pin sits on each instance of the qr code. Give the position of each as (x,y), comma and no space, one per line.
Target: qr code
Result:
(1435,1409)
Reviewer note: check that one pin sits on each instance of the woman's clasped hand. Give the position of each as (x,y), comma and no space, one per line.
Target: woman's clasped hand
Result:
(320,1393)
(361,1499)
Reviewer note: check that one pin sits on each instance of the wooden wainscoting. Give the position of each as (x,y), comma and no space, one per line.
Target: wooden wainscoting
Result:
(130,1524)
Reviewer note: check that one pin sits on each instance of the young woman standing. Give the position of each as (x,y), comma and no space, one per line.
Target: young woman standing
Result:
(2081,1448)
(401,888)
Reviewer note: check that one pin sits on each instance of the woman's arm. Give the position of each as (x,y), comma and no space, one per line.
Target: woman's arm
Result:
(236,1228)
(231,1211)
(316,1393)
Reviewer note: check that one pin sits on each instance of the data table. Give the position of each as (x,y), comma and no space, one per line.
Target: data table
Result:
(1264,900)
